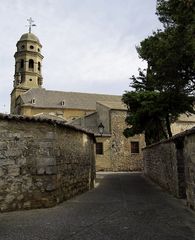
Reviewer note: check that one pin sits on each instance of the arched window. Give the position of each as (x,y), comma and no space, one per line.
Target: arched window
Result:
(39,66)
(31,64)
(22,63)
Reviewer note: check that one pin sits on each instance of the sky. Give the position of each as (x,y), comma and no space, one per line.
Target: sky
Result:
(88,45)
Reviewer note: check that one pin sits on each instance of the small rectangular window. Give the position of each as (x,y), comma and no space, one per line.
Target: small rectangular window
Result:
(99,148)
(134,147)
(33,101)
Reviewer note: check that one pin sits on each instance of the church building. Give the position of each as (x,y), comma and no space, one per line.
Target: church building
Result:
(88,110)
(102,114)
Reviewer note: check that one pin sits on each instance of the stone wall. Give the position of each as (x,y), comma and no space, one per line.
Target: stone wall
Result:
(189,154)
(160,165)
(117,154)
(121,156)
(43,162)
(171,164)
(103,161)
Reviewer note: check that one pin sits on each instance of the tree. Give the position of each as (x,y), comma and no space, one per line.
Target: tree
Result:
(166,88)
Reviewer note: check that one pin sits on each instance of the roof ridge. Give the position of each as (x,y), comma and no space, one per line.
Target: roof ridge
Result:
(106,94)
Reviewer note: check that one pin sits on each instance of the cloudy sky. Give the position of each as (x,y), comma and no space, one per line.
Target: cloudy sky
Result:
(88,45)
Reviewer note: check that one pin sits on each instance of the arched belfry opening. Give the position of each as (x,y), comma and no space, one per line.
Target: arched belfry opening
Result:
(31,64)
(39,66)
(22,63)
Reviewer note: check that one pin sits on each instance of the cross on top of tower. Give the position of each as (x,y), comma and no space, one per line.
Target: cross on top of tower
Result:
(30,24)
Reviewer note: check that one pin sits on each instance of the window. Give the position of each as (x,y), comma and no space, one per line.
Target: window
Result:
(33,101)
(39,66)
(22,63)
(38,50)
(31,64)
(99,148)
(22,47)
(31,47)
(134,147)
(30,79)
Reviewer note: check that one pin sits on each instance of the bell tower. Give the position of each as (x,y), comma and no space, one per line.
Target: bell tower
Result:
(28,63)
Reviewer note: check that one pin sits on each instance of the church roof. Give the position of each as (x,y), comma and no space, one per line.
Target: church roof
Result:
(116,105)
(29,37)
(71,100)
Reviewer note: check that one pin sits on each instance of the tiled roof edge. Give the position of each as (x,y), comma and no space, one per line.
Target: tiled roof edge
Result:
(44,120)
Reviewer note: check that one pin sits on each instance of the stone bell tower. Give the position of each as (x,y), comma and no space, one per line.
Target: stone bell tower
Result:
(28,60)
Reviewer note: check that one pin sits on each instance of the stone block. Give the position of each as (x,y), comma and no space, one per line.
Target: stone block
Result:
(193,157)
(50,187)
(9,198)
(47,161)
(27,205)
(14,206)
(23,170)
(50,135)
(13,153)
(3,207)
(51,170)
(15,186)
(7,162)
(40,170)
(46,145)
(2,183)
(13,135)
(39,184)
(1,172)
(20,197)
(21,161)
(2,156)
(13,171)
(28,180)
(3,145)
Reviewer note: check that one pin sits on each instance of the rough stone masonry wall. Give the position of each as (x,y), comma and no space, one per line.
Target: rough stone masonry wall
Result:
(121,157)
(171,164)
(189,154)
(160,165)
(42,162)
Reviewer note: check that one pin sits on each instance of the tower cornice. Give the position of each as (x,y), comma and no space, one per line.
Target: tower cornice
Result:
(29,41)
(27,53)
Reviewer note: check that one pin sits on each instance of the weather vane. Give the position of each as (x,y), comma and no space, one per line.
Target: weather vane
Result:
(30,24)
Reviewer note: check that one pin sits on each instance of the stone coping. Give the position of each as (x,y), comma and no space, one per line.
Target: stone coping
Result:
(103,135)
(174,138)
(45,120)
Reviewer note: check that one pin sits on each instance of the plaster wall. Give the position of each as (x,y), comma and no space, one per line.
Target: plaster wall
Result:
(67,114)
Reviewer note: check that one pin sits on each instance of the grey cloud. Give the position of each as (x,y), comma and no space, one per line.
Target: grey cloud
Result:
(88,45)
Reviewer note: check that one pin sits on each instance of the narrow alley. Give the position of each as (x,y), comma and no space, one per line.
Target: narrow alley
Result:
(122,206)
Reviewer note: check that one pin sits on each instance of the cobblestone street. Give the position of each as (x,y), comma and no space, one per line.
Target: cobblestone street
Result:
(123,206)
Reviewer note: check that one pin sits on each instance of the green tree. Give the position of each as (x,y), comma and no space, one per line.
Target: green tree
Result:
(166,88)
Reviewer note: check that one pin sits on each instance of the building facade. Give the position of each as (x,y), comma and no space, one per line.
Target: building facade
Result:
(114,152)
